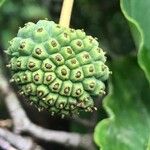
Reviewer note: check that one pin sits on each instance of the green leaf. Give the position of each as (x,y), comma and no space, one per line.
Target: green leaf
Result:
(1,2)
(137,12)
(128,103)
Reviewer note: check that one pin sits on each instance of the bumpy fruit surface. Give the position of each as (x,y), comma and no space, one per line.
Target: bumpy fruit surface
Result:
(59,69)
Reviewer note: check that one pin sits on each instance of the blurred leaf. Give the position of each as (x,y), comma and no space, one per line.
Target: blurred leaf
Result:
(16,14)
(137,12)
(128,125)
(34,12)
(1,2)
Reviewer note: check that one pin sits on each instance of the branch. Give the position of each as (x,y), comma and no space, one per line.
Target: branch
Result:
(18,115)
(5,145)
(18,141)
(84,122)
(61,137)
(23,124)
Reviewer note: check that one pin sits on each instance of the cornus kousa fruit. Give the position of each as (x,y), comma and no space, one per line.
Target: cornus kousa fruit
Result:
(58,69)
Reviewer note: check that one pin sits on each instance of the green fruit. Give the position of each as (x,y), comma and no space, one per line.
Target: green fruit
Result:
(59,69)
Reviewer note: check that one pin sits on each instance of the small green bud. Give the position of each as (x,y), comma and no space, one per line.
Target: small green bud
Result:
(100,68)
(85,101)
(71,103)
(14,45)
(21,63)
(55,86)
(33,64)
(29,89)
(77,75)
(106,74)
(67,52)
(77,45)
(49,77)
(89,84)
(72,63)
(39,52)
(52,46)
(27,30)
(64,39)
(89,42)
(88,70)
(37,77)
(77,90)
(57,59)
(99,89)
(66,88)
(42,90)
(48,65)
(40,35)
(73,34)
(63,72)
(61,102)
(13,63)
(48,25)
(26,77)
(57,30)
(84,58)
(50,99)
(97,54)
(26,46)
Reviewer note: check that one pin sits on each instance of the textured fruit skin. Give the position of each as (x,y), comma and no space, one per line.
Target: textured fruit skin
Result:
(59,69)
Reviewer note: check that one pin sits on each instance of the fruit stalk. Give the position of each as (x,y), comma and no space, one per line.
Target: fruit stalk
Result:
(66,13)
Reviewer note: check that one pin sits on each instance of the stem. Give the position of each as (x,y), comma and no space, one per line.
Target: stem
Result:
(66,13)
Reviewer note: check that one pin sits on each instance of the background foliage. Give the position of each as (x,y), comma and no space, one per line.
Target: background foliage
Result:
(127,103)
(128,126)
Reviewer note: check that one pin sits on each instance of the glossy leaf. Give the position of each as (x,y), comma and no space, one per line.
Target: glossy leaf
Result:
(128,103)
(137,13)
